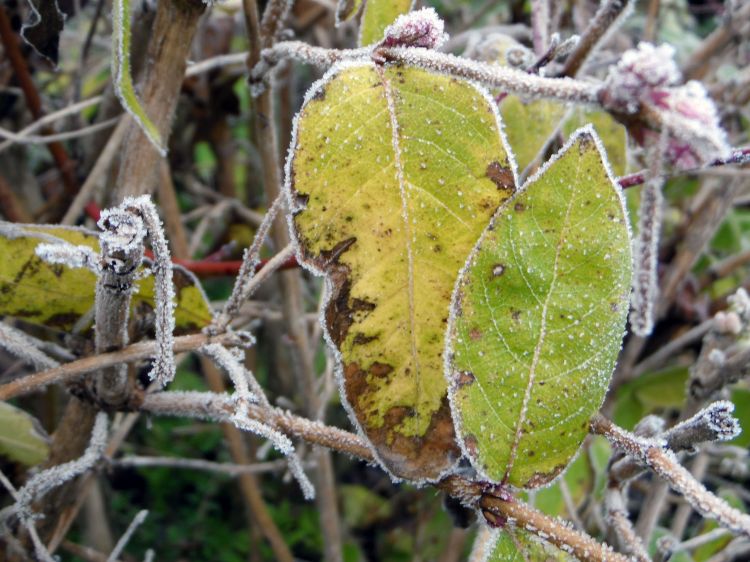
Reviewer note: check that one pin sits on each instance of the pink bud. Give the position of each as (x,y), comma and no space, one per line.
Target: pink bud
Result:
(421,28)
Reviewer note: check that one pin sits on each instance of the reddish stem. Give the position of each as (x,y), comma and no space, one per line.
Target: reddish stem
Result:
(739,156)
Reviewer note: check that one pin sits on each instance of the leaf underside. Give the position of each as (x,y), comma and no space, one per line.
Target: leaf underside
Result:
(379,14)
(57,296)
(538,317)
(390,218)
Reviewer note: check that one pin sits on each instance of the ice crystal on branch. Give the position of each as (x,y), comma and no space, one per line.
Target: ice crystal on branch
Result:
(422,28)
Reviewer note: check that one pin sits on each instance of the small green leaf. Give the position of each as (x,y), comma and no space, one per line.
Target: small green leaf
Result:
(20,440)
(394,173)
(57,296)
(530,126)
(538,316)
(516,545)
(378,15)
(121,75)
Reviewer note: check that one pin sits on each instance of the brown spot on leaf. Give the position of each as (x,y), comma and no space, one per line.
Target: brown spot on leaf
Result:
(543,478)
(471,444)
(501,176)
(380,370)
(519,207)
(475,333)
(465,378)
(362,339)
(584,142)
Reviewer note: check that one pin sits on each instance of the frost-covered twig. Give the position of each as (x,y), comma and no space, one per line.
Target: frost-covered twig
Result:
(135,352)
(20,345)
(646,251)
(713,423)
(139,518)
(617,517)
(229,469)
(663,462)
(43,482)
(164,366)
(606,20)
(218,407)
(243,399)
(121,245)
(243,288)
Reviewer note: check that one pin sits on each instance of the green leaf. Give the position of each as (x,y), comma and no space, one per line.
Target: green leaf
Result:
(378,15)
(394,173)
(530,126)
(512,544)
(650,393)
(57,296)
(20,440)
(538,316)
(121,75)
(613,135)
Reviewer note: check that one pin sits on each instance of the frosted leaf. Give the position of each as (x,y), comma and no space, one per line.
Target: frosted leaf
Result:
(421,28)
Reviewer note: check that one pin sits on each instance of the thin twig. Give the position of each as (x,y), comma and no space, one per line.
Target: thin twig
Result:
(603,23)
(130,354)
(664,463)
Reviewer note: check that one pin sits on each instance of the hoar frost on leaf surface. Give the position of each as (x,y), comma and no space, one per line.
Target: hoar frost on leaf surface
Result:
(537,319)
(392,175)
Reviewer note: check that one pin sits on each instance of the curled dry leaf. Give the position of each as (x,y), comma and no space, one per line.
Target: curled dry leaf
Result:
(392,176)
(537,319)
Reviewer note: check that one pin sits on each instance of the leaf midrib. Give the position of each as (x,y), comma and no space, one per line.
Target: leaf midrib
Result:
(538,347)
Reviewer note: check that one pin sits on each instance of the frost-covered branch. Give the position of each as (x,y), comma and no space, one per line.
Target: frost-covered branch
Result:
(243,398)
(606,20)
(164,366)
(43,482)
(132,353)
(653,453)
(617,518)
(139,518)
(20,345)
(243,286)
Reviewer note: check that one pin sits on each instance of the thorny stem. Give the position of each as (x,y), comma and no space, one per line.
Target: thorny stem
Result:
(214,406)
(663,462)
